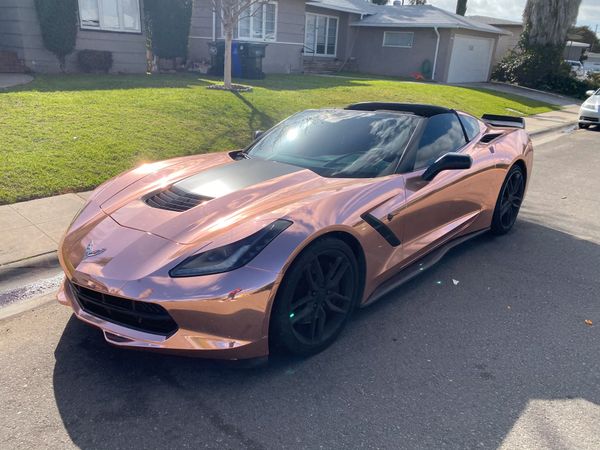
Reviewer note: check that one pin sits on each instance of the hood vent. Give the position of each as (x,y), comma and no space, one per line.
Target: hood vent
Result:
(175,199)
(486,139)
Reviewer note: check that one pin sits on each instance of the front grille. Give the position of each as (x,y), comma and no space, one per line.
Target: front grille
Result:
(589,119)
(142,316)
(175,199)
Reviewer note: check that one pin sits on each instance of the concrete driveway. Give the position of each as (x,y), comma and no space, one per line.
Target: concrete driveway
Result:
(502,358)
(8,80)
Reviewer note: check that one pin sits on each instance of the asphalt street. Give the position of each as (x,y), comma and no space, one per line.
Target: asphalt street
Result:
(490,348)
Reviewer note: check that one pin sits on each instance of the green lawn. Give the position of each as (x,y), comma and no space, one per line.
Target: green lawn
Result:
(70,133)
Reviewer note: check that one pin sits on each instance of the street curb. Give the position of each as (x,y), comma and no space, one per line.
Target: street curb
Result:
(18,308)
(27,258)
(562,127)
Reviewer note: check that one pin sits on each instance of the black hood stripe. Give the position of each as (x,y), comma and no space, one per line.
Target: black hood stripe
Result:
(225,179)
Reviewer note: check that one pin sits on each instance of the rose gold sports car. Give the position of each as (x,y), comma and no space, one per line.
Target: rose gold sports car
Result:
(230,255)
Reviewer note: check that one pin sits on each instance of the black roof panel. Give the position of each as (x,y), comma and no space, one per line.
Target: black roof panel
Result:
(415,108)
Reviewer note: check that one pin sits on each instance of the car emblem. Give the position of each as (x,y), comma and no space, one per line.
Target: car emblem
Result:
(89,251)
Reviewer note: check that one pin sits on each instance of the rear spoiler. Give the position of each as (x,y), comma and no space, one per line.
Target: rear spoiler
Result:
(504,121)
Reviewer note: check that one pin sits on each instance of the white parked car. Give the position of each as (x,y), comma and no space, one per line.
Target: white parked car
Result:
(576,68)
(589,113)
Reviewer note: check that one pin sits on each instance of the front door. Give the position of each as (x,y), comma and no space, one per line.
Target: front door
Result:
(320,35)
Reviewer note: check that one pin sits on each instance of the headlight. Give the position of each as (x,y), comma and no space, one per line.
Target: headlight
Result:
(230,256)
(589,106)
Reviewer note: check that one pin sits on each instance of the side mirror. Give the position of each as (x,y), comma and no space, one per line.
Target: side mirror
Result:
(258,133)
(449,161)
(590,93)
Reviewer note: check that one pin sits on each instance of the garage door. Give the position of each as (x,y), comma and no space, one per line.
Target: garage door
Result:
(471,59)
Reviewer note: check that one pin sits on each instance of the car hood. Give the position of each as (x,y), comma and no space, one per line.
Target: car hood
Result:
(592,102)
(228,192)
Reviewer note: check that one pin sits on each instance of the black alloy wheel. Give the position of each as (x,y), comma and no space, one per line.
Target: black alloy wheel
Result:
(316,298)
(509,201)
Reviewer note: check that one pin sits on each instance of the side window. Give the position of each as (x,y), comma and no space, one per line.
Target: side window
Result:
(443,133)
(471,126)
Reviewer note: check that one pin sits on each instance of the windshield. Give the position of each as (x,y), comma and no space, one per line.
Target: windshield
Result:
(339,143)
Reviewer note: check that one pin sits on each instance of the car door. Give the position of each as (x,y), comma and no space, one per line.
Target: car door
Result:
(435,211)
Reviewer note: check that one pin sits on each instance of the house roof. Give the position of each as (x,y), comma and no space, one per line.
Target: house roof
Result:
(417,16)
(351,6)
(495,21)
(577,44)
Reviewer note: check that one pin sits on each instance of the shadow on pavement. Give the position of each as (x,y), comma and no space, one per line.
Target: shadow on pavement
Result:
(434,364)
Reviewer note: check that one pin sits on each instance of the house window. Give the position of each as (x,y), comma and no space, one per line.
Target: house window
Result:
(398,39)
(110,15)
(258,23)
(320,35)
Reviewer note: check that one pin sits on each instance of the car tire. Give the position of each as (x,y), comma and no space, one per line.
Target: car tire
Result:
(315,299)
(509,201)
(584,126)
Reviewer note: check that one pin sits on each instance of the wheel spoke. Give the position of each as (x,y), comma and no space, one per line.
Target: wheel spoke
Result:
(300,302)
(312,282)
(337,272)
(319,276)
(333,307)
(320,318)
(298,317)
(507,217)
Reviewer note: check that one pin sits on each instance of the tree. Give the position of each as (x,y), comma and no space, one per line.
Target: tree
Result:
(461,7)
(584,34)
(538,59)
(168,25)
(548,21)
(379,2)
(418,2)
(229,13)
(58,23)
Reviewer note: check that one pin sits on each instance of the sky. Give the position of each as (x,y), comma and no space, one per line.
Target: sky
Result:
(589,12)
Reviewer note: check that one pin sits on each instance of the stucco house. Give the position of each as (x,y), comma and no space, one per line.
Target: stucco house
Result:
(357,35)
(506,42)
(112,25)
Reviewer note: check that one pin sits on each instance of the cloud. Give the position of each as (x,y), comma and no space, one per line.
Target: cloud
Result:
(589,12)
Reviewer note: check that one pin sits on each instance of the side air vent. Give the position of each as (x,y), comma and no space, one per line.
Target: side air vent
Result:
(487,138)
(175,199)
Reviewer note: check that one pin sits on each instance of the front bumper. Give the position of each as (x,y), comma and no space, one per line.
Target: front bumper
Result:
(233,327)
(589,117)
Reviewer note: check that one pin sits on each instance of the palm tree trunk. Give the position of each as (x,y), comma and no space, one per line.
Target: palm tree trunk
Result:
(461,7)
(548,21)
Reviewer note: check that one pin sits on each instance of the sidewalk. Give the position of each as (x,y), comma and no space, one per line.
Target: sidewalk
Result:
(8,80)
(552,121)
(35,227)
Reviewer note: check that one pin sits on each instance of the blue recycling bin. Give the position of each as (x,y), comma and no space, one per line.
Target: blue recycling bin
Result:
(236,60)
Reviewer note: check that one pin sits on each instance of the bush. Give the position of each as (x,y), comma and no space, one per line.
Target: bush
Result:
(540,67)
(168,26)
(593,79)
(58,22)
(94,60)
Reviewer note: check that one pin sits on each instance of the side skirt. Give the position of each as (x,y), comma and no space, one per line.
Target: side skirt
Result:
(418,267)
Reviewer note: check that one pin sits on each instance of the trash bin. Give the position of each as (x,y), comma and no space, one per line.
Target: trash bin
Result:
(246,59)
(252,54)
(236,61)
(217,57)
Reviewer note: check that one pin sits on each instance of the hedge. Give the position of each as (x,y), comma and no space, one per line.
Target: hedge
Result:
(58,22)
